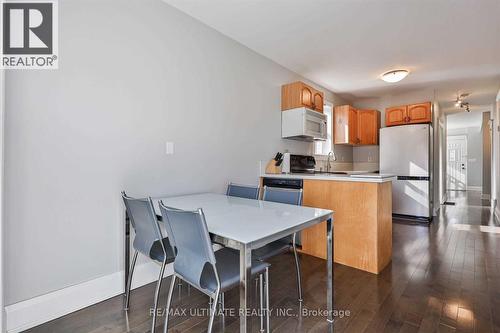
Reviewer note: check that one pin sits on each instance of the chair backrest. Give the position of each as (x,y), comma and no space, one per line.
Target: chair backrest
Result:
(243,191)
(143,219)
(188,235)
(282,195)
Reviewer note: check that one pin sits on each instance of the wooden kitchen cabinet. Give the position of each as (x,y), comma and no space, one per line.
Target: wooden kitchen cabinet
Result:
(420,113)
(368,127)
(318,101)
(395,115)
(356,127)
(345,125)
(362,222)
(298,94)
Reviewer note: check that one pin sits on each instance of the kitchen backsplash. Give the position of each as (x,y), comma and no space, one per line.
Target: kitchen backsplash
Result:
(364,158)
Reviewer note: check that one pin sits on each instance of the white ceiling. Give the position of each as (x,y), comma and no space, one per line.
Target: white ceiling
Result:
(344,45)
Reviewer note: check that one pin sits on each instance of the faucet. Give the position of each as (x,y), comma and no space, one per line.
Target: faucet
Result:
(332,155)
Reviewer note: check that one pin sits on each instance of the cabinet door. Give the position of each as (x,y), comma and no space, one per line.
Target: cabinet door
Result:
(353,126)
(318,101)
(396,115)
(368,127)
(306,96)
(419,113)
(296,95)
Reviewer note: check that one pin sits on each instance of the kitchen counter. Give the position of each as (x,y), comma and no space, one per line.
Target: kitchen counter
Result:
(355,177)
(363,217)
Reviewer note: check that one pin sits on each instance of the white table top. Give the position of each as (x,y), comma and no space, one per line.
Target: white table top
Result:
(247,221)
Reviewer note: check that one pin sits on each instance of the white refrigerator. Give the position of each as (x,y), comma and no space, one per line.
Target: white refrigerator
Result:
(406,152)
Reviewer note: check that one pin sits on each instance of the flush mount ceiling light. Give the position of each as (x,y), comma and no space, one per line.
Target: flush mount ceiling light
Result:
(395,75)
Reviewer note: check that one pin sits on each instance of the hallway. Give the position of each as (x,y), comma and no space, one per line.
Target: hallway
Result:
(443,278)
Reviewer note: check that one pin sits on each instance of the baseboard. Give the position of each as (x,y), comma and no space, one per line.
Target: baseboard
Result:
(38,310)
(474,188)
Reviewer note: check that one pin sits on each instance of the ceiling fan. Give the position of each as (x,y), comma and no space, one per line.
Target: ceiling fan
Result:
(459,102)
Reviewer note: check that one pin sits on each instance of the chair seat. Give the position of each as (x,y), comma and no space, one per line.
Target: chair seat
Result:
(228,267)
(156,252)
(275,248)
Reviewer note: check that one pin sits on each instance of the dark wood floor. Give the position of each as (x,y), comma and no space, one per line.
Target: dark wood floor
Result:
(443,278)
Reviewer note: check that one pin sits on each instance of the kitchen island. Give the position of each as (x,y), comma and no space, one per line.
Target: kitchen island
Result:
(362,206)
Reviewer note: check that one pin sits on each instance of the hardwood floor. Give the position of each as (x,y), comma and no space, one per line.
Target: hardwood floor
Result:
(443,278)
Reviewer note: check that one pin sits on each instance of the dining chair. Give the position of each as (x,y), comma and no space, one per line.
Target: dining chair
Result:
(285,244)
(243,191)
(196,263)
(148,241)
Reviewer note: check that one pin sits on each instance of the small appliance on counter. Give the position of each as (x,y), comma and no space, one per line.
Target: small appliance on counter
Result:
(298,163)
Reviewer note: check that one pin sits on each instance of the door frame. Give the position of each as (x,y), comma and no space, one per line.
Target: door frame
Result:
(448,139)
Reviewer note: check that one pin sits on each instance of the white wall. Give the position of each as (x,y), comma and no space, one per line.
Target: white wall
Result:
(418,96)
(131,77)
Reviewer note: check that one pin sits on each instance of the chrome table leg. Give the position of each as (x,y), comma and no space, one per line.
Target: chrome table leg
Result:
(245,276)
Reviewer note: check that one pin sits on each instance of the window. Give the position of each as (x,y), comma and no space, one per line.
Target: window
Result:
(324,147)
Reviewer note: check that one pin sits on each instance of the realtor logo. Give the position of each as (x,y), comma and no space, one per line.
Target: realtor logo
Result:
(29,35)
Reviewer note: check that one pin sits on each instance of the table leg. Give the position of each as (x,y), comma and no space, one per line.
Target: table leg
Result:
(245,276)
(127,249)
(329,269)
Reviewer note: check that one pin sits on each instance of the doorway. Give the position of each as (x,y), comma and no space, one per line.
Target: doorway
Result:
(457,163)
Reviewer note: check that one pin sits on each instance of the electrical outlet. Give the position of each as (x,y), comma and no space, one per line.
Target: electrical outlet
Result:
(169,148)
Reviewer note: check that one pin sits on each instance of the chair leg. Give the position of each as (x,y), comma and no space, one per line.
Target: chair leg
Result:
(297,268)
(261,290)
(129,281)
(212,313)
(169,302)
(268,326)
(157,295)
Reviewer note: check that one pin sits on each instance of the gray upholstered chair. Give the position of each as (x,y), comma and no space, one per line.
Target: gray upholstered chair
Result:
(243,191)
(285,244)
(148,241)
(210,272)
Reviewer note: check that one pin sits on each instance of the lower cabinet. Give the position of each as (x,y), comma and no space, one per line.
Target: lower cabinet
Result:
(362,222)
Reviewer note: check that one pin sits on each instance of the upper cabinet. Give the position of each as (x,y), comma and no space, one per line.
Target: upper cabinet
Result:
(420,113)
(409,114)
(355,127)
(298,94)
(368,127)
(395,115)
(345,125)
(318,101)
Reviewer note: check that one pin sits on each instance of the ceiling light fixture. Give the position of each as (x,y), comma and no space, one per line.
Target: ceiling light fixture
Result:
(395,75)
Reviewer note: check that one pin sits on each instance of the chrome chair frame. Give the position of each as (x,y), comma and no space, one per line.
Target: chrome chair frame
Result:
(265,197)
(215,296)
(160,237)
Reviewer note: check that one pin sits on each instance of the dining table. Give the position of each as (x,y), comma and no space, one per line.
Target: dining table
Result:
(245,225)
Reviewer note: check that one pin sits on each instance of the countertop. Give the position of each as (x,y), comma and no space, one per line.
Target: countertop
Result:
(363,178)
